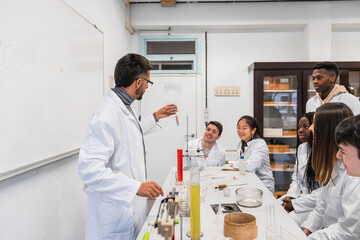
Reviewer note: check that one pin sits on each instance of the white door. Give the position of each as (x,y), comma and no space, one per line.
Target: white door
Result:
(161,146)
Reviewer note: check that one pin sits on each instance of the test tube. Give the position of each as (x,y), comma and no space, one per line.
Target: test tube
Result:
(177,120)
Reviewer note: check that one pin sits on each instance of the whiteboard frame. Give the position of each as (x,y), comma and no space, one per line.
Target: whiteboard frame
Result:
(43,162)
(37,164)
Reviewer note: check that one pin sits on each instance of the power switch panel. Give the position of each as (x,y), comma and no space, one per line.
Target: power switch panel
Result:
(227,91)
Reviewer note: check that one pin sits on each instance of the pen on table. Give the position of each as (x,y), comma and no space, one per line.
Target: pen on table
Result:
(147,234)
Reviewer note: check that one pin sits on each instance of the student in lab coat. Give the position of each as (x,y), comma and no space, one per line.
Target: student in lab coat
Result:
(303,178)
(209,151)
(255,151)
(324,77)
(337,210)
(347,137)
(112,161)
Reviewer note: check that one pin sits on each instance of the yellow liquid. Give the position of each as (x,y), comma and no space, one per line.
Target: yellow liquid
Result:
(195,211)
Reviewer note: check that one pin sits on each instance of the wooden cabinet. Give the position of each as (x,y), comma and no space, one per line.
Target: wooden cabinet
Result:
(281,90)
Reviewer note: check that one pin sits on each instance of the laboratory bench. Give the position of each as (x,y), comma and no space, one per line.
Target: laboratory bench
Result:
(272,221)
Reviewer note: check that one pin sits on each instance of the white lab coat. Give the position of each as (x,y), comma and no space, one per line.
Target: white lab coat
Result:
(303,204)
(350,100)
(216,156)
(337,211)
(298,185)
(111,164)
(257,160)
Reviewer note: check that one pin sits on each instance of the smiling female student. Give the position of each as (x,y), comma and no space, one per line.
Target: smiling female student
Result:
(337,210)
(255,151)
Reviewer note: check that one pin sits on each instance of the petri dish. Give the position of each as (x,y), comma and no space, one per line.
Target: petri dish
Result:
(249,197)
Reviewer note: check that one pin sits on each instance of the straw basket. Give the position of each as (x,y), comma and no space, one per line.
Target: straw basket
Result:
(240,226)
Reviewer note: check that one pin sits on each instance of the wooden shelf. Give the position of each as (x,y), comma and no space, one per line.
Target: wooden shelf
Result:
(289,91)
(279,104)
(280,136)
(283,167)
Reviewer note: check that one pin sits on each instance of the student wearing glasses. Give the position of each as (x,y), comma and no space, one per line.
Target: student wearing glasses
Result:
(112,159)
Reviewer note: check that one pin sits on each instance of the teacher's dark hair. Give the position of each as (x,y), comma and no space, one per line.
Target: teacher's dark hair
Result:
(129,68)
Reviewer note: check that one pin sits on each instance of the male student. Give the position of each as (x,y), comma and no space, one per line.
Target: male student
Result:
(324,77)
(112,161)
(208,152)
(347,137)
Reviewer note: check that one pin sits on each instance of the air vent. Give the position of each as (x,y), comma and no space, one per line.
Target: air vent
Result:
(171,54)
(170,47)
(173,65)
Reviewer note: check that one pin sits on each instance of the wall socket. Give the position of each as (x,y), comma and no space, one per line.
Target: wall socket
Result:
(227,91)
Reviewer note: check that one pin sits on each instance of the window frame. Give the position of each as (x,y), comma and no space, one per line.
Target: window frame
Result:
(171,57)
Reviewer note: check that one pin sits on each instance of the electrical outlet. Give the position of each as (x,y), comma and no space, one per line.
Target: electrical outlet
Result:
(227,91)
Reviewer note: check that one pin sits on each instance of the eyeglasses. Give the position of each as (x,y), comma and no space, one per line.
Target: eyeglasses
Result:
(151,83)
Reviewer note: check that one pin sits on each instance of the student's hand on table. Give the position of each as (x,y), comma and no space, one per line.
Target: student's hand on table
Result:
(287,205)
(150,190)
(307,231)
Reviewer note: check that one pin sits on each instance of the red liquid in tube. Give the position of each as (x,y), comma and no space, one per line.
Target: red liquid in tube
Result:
(180,165)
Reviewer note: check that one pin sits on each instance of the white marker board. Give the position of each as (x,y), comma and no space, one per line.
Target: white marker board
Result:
(51,78)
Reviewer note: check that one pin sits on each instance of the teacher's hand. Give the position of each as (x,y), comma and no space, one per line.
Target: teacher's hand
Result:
(166,111)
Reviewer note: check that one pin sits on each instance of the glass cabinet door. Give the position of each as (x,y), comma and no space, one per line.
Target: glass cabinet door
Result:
(280,103)
(354,81)
(310,87)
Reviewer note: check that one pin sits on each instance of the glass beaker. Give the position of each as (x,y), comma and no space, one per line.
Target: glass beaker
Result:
(195,203)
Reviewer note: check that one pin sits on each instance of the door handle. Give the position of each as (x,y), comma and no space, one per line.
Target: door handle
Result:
(190,135)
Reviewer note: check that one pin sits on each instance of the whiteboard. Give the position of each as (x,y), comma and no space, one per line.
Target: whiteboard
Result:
(51,78)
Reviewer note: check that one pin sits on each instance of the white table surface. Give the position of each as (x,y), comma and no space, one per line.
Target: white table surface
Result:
(211,225)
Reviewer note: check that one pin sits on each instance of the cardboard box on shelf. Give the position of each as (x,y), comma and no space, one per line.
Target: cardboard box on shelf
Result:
(276,83)
(267,83)
(279,148)
(289,132)
(273,132)
(284,83)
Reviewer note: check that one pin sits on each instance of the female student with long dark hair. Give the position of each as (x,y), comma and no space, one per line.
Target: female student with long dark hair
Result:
(303,178)
(337,210)
(255,151)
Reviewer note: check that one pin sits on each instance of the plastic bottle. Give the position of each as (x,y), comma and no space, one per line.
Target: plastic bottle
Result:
(242,165)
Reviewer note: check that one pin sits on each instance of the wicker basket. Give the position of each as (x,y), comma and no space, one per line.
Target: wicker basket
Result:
(240,226)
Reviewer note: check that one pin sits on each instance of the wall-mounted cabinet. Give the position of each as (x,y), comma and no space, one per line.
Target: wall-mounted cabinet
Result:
(281,90)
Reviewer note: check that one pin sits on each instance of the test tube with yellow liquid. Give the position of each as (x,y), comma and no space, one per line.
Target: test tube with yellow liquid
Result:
(195,203)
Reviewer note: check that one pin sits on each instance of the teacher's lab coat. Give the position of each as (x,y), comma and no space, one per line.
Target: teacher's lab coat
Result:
(257,160)
(111,164)
(337,210)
